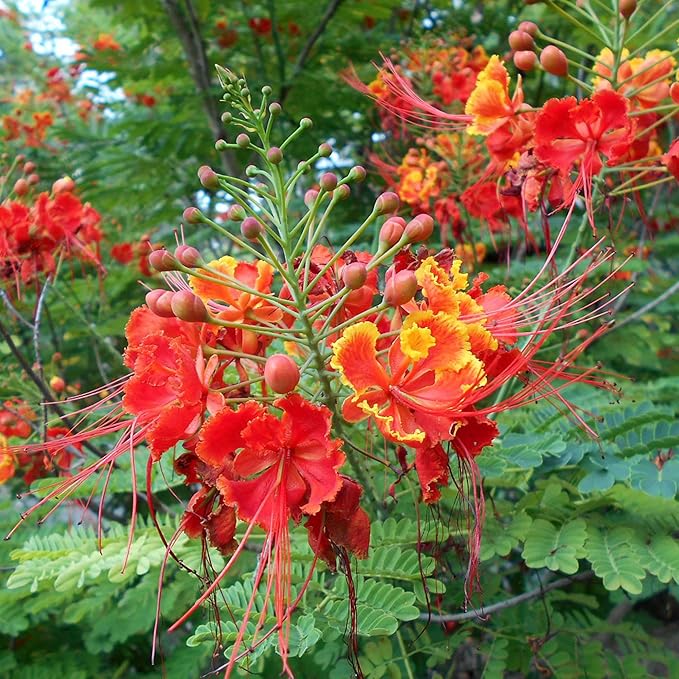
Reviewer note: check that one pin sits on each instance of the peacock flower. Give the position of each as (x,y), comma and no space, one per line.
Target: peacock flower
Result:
(7,461)
(420,179)
(671,159)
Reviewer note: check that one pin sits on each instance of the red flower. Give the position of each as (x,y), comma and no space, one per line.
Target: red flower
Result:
(569,133)
(260,25)
(671,159)
(123,252)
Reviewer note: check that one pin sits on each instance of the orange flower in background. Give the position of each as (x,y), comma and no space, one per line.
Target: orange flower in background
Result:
(104,42)
(15,419)
(7,462)
(645,81)
(471,255)
(671,159)
(420,179)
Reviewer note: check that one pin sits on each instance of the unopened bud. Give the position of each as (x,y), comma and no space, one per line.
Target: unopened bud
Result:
(162,260)
(328,181)
(275,108)
(160,303)
(266,90)
(188,256)
(627,8)
(251,171)
(236,213)
(521,40)
(221,145)
(274,155)
(357,174)
(525,60)
(281,373)
(554,61)
(310,197)
(188,307)
(400,288)
(354,275)
(419,229)
(387,203)
(208,177)
(33,179)
(306,123)
(29,167)
(63,185)
(192,215)
(243,140)
(674,92)
(342,192)
(227,117)
(57,384)
(21,187)
(392,231)
(529,27)
(251,228)
(324,150)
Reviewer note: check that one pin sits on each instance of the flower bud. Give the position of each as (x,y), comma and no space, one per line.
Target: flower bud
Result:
(674,92)
(266,90)
(227,117)
(21,187)
(357,174)
(392,232)
(188,307)
(63,185)
(400,288)
(275,108)
(328,181)
(160,303)
(29,167)
(57,384)
(342,192)
(529,27)
(306,123)
(310,197)
(251,228)
(236,213)
(33,179)
(243,140)
(281,373)
(274,155)
(208,177)
(20,158)
(525,60)
(627,8)
(251,171)
(387,203)
(221,145)
(192,215)
(419,229)
(162,260)
(324,150)
(520,41)
(554,61)
(188,256)
(354,275)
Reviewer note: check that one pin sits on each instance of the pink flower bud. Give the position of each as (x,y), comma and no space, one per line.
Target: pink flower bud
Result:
(525,60)
(29,167)
(392,231)
(400,288)
(274,155)
(188,256)
(387,203)
(236,213)
(21,187)
(324,150)
(554,61)
(188,307)
(357,173)
(243,140)
(419,229)
(192,215)
(57,384)
(354,275)
(328,181)
(342,192)
(162,260)
(627,8)
(208,177)
(33,179)
(529,27)
(281,373)
(521,40)
(160,303)
(251,228)
(63,185)
(310,197)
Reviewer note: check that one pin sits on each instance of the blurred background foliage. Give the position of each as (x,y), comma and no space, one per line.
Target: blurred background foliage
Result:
(135,107)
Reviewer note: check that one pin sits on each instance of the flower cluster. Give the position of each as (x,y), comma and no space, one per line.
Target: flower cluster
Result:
(36,232)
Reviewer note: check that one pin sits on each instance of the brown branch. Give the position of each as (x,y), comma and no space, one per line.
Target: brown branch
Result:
(304,55)
(483,614)
(187,27)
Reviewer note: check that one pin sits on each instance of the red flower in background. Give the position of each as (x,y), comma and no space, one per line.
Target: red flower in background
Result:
(671,159)
(260,25)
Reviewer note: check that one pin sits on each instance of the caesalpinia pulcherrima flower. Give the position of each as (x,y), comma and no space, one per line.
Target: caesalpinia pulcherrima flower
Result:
(395,336)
